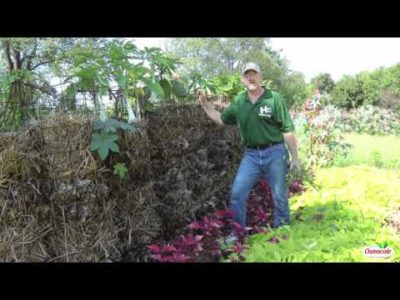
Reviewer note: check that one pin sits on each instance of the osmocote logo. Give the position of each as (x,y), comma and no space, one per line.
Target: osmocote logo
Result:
(380,251)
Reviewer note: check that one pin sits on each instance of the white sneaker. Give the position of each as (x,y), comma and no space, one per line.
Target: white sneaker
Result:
(228,241)
(231,239)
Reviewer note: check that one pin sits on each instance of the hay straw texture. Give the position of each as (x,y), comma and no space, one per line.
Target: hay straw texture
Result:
(60,203)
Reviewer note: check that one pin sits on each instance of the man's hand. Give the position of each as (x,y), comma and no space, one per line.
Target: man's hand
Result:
(208,108)
(202,99)
(244,80)
(295,164)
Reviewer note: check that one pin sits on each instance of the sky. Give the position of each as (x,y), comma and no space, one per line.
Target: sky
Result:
(337,56)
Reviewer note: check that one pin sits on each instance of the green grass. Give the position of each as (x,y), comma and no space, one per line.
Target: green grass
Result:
(345,212)
(378,151)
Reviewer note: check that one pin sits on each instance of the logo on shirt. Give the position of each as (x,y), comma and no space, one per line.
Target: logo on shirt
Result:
(265,111)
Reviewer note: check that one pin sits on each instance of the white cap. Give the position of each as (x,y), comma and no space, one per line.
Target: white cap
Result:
(250,66)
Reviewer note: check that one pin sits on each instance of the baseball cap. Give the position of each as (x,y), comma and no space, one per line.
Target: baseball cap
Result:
(250,66)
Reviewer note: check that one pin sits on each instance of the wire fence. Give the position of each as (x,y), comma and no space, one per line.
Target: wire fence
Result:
(13,113)
(93,102)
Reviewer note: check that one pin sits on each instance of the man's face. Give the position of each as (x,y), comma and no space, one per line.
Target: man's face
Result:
(252,80)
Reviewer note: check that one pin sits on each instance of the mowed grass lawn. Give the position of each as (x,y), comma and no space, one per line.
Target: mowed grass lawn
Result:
(378,151)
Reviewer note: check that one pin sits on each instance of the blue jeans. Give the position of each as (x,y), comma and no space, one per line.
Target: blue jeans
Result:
(272,164)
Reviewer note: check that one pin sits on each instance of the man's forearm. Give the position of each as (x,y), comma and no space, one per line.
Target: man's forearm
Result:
(290,139)
(213,114)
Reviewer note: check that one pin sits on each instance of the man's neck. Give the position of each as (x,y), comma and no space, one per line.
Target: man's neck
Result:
(254,95)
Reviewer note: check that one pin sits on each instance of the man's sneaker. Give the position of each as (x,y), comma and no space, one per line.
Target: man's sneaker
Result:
(231,239)
(228,241)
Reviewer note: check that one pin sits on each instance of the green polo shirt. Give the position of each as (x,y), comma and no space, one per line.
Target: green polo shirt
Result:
(262,122)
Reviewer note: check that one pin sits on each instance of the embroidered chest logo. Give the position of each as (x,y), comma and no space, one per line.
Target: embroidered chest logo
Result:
(265,111)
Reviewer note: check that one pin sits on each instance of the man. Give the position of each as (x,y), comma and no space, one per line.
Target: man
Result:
(265,125)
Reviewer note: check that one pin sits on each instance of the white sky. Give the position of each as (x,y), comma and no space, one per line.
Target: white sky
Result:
(337,56)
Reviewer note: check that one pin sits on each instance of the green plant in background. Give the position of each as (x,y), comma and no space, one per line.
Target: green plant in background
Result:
(376,156)
(365,119)
(373,120)
(144,78)
(227,86)
(320,137)
(323,82)
(195,81)
(379,87)
(293,89)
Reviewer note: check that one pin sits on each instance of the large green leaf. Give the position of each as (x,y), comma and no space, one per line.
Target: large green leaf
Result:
(116,53)
(202,83)
(96,142)
(140,70)
(178,88)
(70,92)
(122,81)
(110,125)
(156,88)
(102,80)
(167,88)
(104,142)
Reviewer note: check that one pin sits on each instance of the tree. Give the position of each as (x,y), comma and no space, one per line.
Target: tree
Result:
(128,75)
(26,77)
(227,86)
(389,86)
(371,88)
(218,62)
(294,89)
(212,57)
(324,83)
(348,92)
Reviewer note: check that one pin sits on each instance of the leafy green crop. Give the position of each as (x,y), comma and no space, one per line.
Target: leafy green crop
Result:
(347,211)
